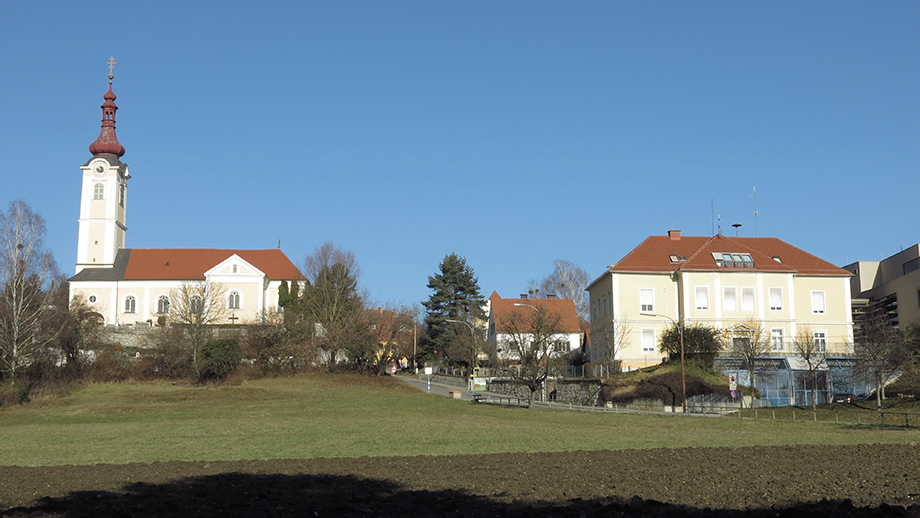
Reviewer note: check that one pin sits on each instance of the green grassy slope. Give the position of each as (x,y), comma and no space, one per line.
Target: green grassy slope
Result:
(351,416)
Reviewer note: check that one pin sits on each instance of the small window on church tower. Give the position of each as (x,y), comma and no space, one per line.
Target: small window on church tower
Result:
(99,191)
(121,195)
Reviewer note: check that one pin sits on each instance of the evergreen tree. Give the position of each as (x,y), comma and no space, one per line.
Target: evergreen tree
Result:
(456,297)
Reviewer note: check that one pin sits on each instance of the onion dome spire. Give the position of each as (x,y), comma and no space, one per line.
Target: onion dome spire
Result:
(107,143)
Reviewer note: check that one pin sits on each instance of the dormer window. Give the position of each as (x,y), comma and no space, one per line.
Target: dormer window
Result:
(731,260)
(777,259)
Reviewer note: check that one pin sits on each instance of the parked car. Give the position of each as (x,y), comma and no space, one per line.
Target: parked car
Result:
(844,398)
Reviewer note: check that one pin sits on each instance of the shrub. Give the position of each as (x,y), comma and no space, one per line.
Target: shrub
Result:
(13,395)
(220,358)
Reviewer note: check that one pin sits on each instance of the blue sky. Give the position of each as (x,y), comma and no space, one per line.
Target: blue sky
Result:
(510,133)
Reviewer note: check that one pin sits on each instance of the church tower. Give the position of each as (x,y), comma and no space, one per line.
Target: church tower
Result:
(103,198)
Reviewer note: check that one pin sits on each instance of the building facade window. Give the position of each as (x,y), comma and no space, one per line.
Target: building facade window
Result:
(776,339)
(99,191)
(234,268)
(820,341)
(646,300)
(748,299)
(162,305)
(196,305)
(648,341)
(776,299)
(130,304)
(817,303)
(233,301)
(92,299)
(702,297)
(729,298)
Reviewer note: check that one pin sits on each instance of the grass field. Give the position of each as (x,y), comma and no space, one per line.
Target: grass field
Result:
(351,416)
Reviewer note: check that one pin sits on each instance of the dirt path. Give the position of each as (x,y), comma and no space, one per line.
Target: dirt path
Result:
(879,480)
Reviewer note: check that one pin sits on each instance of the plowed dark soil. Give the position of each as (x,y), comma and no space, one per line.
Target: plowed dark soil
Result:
(877,480)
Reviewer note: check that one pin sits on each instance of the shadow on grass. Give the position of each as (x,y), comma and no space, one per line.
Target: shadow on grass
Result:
(246,495)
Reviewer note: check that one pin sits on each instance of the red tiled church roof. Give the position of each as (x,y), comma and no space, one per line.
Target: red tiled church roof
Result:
(192,263)
(502,309)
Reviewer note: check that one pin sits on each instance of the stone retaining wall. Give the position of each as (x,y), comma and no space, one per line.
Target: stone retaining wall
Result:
(576,392)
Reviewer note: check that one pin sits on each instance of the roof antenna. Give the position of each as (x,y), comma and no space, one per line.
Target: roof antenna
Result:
(712,214)
(755,210)
(719,215)
(736,225)
(279,244)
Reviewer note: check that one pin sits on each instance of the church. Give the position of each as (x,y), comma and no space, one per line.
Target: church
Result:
(126,286)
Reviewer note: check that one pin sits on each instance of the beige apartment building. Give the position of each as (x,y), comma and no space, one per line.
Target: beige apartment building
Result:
(730,283)
(893,282)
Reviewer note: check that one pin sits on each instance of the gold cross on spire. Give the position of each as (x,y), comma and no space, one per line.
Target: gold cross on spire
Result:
(111,66)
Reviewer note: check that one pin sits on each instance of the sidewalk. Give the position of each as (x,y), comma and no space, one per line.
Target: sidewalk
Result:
(441,389)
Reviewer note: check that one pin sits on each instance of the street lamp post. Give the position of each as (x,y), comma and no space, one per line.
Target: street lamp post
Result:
(472,348)
(683,371)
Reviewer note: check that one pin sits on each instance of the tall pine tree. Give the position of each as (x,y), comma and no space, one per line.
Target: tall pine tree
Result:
(456,297)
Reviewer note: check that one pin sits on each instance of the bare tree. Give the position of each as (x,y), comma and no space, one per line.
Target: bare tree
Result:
(532,339)
(26,270)
(392,329)
(568,281)
(880,349)
(749,342)
(196,306)
(814,353)
(331,301)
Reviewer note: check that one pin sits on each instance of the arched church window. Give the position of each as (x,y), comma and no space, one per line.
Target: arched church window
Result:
(99,191)
(130,304)
(196,305)
(163,305)
(234,300)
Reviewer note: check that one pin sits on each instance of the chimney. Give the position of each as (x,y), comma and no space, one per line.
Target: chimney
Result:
(550,296)
(674,235)
(523,295)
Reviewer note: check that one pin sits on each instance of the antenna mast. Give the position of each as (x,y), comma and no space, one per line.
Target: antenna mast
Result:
(755,210)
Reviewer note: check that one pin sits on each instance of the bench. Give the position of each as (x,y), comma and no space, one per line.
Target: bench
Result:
(455,394)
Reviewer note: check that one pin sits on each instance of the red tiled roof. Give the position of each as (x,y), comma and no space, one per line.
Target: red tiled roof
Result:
(654,255)
(502,309)
(192,263)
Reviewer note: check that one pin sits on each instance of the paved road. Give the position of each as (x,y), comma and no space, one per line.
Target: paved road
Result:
(436,388)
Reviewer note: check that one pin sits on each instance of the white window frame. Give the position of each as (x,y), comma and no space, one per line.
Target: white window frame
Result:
(648,337)
(234,301)
(130,300)
(701,295)
(818,302)
(777,345)
(647,300)
(98,191)
(820,336)
(162,305)
(748,298)
(773,290)
(725,298)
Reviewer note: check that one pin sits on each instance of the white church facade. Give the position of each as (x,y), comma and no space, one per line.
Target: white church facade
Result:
(127,286)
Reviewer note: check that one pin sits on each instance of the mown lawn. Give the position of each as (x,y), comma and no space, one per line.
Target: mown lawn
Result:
(352,416)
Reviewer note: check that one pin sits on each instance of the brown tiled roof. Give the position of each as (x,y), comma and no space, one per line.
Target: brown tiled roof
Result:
(654,255)
(502,309)
(192,263)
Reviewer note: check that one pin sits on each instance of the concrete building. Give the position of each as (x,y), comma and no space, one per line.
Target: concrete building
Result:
(893,282)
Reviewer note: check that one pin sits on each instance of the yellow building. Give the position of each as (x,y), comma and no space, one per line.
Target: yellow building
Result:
(729,283)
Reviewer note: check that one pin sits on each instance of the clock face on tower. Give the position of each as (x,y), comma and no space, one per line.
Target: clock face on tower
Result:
(100,170)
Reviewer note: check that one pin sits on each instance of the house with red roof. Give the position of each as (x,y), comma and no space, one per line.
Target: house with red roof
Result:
(129,286)
(729,283)
(503,313)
